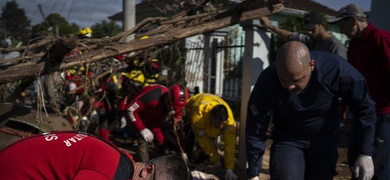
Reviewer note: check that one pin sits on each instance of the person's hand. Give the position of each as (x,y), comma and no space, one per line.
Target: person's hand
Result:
(147,135)
(265,22)
(254,178)
(230,175)
(364,167)
(123,122)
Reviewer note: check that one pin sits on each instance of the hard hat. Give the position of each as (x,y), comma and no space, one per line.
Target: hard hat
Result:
(87,32)
(144,37)
(179,95)
(136,76)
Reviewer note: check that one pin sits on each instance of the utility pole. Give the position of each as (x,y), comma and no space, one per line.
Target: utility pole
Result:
(128,16)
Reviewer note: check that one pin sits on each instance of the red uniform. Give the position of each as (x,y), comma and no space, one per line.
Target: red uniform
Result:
(64,155)
(149,110)
(78,79)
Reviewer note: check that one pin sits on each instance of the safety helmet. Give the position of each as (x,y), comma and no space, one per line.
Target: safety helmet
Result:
(179,95)
(86,32)
(144,37)
(136,76)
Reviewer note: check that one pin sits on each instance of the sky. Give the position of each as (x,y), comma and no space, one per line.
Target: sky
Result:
(86,13)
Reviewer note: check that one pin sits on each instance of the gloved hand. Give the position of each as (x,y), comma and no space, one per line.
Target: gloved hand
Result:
(147,135)
(123,122)
(364,167)
(230,175)
(254,178)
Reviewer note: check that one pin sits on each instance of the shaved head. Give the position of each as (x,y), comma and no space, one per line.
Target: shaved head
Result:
(294,66)
(292,55)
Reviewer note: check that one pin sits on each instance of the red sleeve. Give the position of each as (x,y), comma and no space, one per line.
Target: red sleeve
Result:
(132,113)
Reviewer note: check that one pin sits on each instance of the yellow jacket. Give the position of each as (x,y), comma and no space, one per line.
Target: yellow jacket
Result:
(198,108)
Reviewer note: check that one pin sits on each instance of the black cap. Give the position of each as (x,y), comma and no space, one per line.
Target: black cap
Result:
(312,18)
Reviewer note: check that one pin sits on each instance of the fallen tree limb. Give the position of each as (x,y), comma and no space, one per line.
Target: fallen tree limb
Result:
(118,48)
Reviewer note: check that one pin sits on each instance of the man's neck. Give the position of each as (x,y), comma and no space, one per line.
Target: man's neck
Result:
(324,35)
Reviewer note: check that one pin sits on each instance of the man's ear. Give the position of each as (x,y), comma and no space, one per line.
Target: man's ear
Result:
(148,170)
(312,64)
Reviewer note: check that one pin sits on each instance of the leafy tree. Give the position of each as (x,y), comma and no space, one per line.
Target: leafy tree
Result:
(105,28)
(292,23)
(15,23)
(53,21)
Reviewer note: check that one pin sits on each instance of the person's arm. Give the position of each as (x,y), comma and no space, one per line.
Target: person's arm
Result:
(280,32)
(257,122)
(287,35)
(354,92)
(229,138)
(132,114)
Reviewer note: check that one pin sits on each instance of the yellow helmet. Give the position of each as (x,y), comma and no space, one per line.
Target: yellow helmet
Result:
(86,32)
(144,37)
(136,76)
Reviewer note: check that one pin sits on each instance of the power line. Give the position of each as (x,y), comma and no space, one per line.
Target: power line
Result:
(52,7)
(63,6)
(70,9)
(93,11)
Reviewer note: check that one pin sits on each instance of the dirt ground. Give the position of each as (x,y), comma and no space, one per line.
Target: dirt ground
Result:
(342,166)
(128,143)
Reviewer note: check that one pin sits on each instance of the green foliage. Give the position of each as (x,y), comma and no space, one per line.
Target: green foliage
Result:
(292,23)
(54,21)
(105,28)
(15,22)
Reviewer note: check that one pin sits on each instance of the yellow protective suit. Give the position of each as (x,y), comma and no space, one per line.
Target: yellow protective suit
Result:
(198,108)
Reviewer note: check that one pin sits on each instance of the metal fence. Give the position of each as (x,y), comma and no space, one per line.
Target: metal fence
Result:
(217,69)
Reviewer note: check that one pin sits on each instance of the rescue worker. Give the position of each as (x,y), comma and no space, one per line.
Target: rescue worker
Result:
(149,112)
(118,88)
(76,78)
(79,156)
(301,92)
(149,66)
(85,33)
(212,117)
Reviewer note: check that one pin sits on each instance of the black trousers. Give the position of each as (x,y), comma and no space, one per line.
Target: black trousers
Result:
(304,159)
